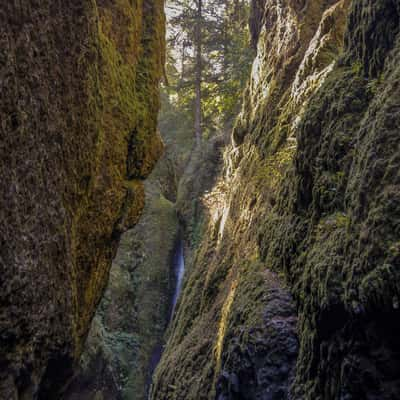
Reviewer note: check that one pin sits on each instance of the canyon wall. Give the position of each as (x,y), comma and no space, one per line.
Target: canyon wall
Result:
(127,333)
(78,111)
(126,337)
(294,289)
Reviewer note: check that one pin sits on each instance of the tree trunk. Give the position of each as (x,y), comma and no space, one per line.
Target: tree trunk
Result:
(198,71)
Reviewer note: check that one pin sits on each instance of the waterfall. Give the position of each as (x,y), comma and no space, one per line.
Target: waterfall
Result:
(179,270)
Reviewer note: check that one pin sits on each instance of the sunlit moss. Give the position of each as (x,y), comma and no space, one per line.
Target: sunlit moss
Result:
(123,73)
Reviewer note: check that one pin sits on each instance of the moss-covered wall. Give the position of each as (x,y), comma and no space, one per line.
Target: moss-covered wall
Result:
(126,335)
(294,290)
(79,83)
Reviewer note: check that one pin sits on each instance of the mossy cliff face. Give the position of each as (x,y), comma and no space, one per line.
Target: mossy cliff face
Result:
(79,83)
(126,337)
(127,333)
(294,291)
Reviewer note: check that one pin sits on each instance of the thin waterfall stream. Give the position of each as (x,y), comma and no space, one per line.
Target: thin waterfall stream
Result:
(178,269)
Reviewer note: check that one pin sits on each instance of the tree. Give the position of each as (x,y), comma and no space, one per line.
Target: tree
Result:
(208,42)
(199,72)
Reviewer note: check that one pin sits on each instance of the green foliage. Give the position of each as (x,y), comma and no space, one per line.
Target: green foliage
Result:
(373,85)
(226,59)
(272,169)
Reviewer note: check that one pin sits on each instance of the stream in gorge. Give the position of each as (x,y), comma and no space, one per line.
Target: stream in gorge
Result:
(178,270)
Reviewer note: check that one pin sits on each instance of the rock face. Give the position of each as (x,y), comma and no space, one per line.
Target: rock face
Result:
(266,365)
(304,222)
(126,336)
(78,110)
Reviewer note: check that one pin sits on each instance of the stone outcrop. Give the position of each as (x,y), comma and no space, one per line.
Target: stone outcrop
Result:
(78,111)
(126,336)
(127,333)
(304,222)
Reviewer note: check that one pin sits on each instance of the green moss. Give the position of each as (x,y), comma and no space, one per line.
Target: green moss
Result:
(379,287)
(123,101)
(331,228)
(357,68)
(273,168)
(198,230)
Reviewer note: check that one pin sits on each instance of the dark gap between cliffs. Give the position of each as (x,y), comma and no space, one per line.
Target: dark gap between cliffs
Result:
(178,271)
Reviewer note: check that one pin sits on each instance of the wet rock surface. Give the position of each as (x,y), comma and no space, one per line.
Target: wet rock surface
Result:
(264,368)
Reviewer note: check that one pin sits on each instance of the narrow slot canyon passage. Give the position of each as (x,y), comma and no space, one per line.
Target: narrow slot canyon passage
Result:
(200,200)
(177,272)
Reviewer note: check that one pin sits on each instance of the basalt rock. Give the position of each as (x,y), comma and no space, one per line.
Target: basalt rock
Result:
(264,368)
(78,110)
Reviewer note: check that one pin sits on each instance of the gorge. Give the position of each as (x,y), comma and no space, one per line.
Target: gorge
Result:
(284,215)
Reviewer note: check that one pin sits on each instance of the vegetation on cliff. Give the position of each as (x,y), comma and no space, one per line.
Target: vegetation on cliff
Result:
(287,196)
(79,84)
(126,336)
(306,206)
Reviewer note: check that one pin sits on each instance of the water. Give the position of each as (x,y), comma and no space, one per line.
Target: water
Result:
(179,270)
